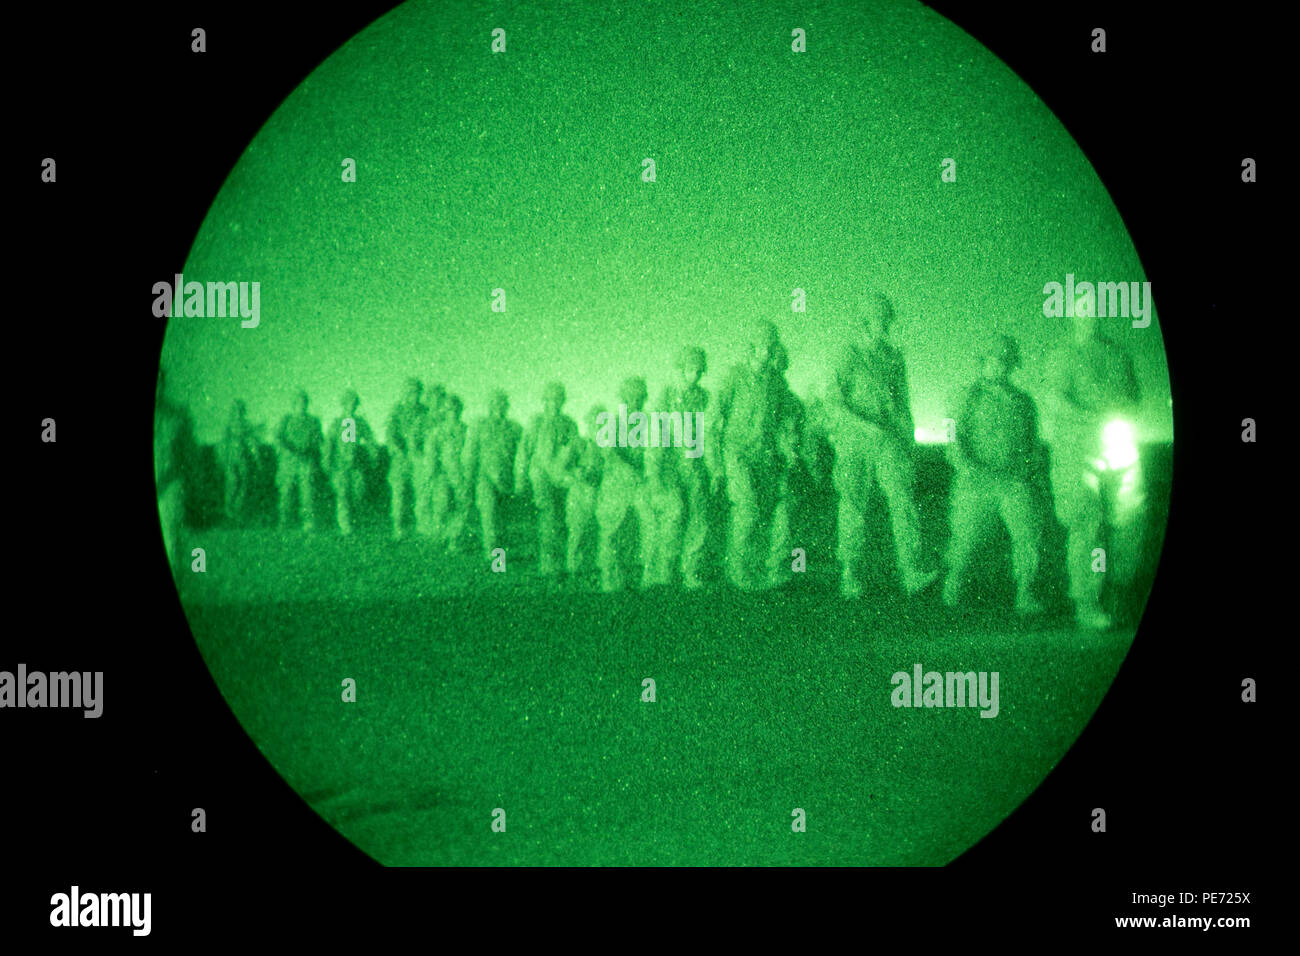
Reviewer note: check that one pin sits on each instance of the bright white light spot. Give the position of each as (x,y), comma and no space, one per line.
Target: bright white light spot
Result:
(1118,446)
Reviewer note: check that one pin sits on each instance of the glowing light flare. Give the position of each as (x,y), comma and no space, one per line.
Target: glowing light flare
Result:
(927,436)
(1118,445)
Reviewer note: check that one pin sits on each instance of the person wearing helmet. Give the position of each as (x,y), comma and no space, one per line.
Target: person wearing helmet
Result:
(996,458)
(539,464)
(348,451)
(428,466)
(238,456)
(406,435)
(450,492)
(298,440)
(752,440)
(678,481)
(623,499)
(489,458)
(583,465)
(1091,402)
(869,414)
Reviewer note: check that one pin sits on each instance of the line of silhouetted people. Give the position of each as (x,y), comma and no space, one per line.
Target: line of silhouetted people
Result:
(612,504)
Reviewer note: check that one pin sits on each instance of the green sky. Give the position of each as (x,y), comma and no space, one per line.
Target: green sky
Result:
(522,170)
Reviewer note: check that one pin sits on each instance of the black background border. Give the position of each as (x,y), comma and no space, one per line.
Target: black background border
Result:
(145,133)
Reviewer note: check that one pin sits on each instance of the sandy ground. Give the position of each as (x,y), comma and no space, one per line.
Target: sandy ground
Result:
(478,691)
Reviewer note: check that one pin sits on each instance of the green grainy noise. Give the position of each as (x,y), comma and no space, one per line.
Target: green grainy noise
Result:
(521,171)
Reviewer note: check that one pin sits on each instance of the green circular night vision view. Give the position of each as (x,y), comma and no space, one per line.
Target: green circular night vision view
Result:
(678,434)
